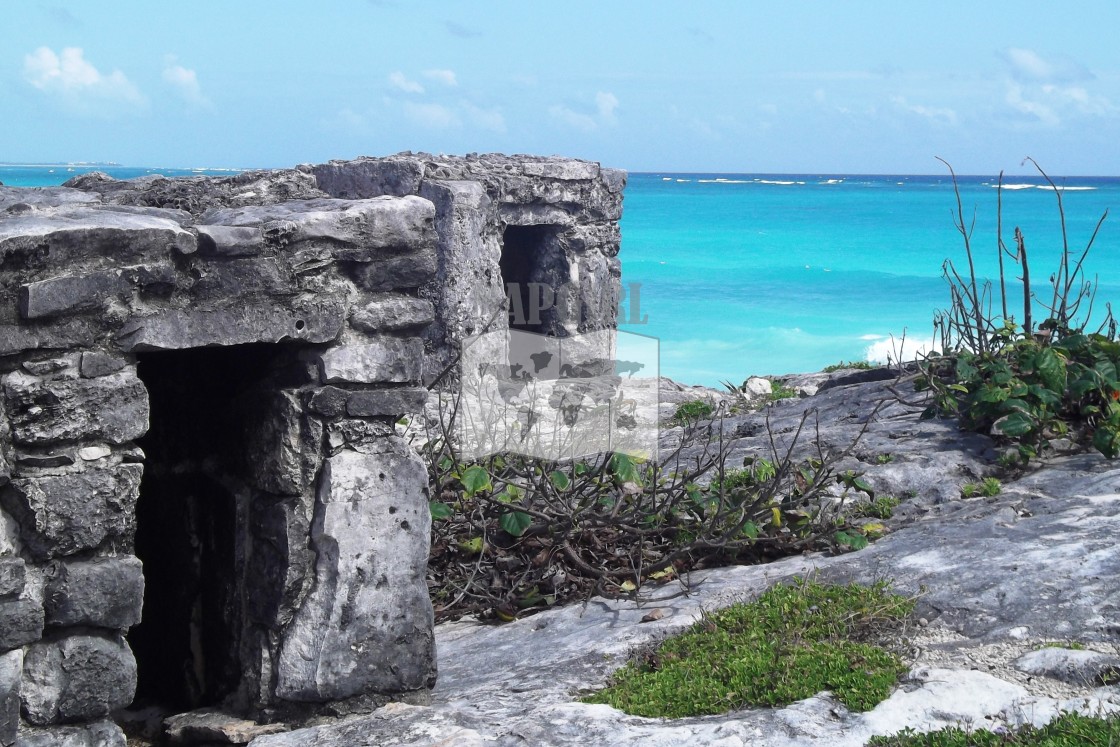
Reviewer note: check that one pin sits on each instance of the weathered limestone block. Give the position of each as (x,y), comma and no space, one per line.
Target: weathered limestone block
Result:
(103,592)
(29,200)
(90,291)
(381,360)
(62,335)
(77,678)
(310,320)
(369,177)
(329,401)
(65,236)
(21,622)
(405,271)
(282,446)
(390,312)
(11,669)
(13,576)
(365,626)
(386,402)
(98,734)
(230,241)
(113,408)
(65,514)
(214,727)
(280,558)
(354,230)
(94,364)
(242,278)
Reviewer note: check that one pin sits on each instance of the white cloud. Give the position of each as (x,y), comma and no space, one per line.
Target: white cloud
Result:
(446,77)
(486,119)
(1029,66)
(1033,110)
(574,119)
(185,82)
(399,80)
(433,116)
(941,115)
(605,105)
(74,79)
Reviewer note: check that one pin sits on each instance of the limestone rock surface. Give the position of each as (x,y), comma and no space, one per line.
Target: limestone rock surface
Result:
(995,579)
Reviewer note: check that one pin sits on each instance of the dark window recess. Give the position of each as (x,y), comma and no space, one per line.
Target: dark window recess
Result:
(534,272)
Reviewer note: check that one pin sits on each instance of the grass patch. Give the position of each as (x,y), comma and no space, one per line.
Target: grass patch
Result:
(778,391)
(845,365)
(692,411)
(789,644)
(1068,730)
(881,508)
(989,488)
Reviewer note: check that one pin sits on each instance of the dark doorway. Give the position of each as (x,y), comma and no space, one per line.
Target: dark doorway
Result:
(534,273)
(190,521)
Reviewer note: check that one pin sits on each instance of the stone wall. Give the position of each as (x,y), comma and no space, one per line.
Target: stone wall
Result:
(203,499)
(216,391)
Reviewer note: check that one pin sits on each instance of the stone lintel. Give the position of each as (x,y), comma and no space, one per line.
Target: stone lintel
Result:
(176,329)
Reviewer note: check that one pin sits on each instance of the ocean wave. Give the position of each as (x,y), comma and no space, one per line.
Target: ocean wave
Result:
(1061,188)
(1014,186)
(782,182)
(832,181)
(892,349)
(723,181)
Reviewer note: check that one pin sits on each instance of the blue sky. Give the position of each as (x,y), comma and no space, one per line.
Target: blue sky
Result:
(840,87)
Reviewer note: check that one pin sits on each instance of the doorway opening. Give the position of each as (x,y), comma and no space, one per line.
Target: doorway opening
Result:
(190,521)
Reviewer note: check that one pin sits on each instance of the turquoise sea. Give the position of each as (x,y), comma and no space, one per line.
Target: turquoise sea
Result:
(742,274)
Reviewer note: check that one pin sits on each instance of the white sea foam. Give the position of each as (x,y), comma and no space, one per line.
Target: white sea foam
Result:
(1015,186)
(873,337)
(1067,189)
(777,181)
(833,181)
(893,348)
(723,181)
(684,180)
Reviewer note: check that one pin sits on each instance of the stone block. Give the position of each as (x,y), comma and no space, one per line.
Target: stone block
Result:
(103,733)
(62,335)
(103,592)
(386,402)
(77,678)
(329,401)
(280,559)
(70,294)
(21,622)
(353,230)
(389,360)
(230,241)
(365,625)
(369,177)
(309,320)
(72,234)
(242,278)
(282,446)
(65,514)
(213,727)
(94,364)
(11,669)
(13,576)
(391,312)
(392,273)
(112,408)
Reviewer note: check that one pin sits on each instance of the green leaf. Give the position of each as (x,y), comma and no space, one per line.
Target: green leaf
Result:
(1014,425)
(750,529)
(474,479)
(623,468)
(560,480)
(1106,440)
(515,522)
(1051,368)
(472,546)
(854,540)
(440,511)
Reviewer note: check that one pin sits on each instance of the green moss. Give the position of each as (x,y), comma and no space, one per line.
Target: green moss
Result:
(779,391)
(1068,730)
(789,644)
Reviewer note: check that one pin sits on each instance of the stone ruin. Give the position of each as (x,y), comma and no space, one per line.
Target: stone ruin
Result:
(204,500)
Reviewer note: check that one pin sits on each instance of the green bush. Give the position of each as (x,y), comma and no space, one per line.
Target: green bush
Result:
(1025,384)
(692,411)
